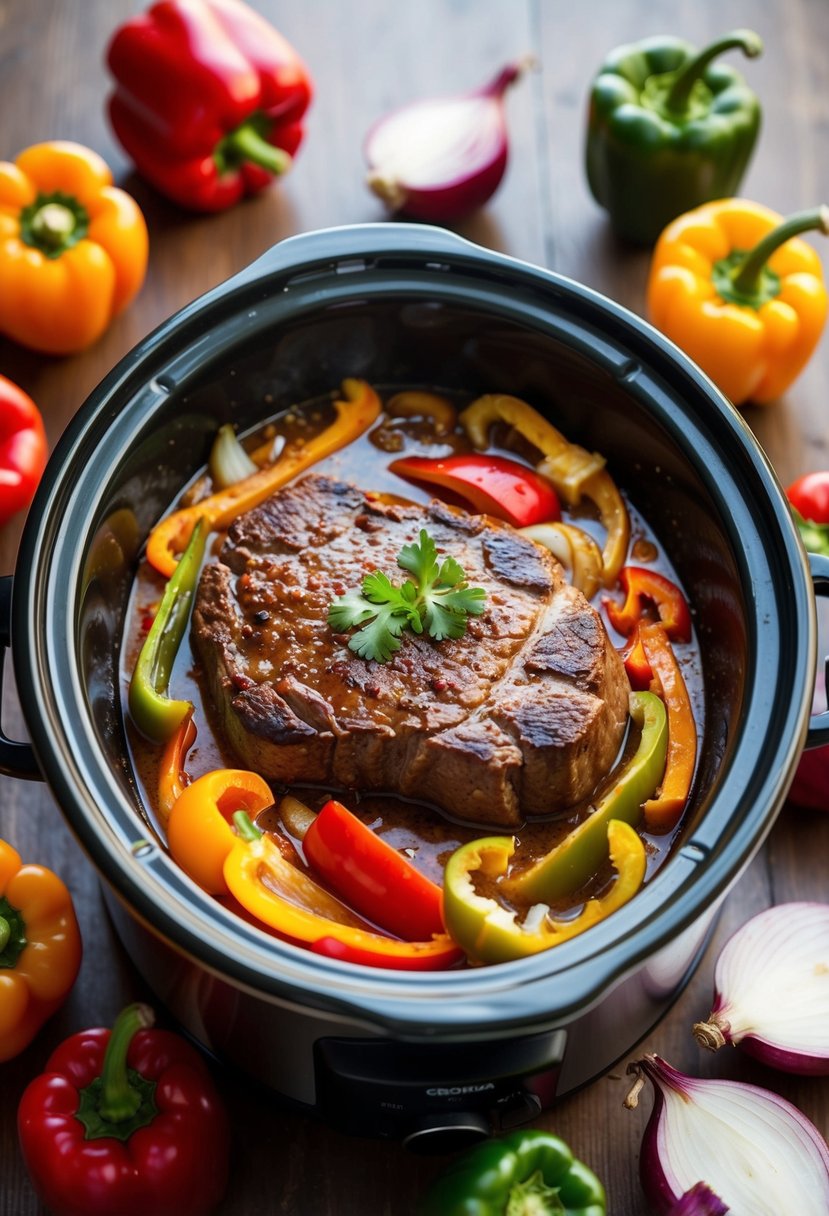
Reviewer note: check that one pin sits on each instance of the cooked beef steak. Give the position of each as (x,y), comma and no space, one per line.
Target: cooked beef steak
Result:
(520,717)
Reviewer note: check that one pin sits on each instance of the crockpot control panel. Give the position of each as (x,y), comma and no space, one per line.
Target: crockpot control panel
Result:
(436,1097)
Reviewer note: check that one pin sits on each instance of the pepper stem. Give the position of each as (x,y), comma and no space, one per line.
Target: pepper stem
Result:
(248,143)
(680,93)
(245,827)
(119,1099)
(53,223)
(5,933)
(746,281)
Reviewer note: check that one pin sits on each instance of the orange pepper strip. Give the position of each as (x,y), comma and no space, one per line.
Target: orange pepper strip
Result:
(40,949)
(199,830)
(73,247)
(355,415)
(267,886)
(663,812)
(172,777)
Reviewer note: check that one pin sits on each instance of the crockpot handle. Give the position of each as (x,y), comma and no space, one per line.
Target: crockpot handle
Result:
(16,759)
(819,723)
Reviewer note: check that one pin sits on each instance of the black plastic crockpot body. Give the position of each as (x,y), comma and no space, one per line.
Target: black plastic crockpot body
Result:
(433,1058)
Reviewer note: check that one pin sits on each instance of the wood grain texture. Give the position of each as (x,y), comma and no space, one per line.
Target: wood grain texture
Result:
(367,57)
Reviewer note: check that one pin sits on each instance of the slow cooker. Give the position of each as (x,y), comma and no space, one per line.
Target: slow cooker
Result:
(433,1059)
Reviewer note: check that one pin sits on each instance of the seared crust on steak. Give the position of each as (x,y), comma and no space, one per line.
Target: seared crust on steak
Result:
(522,716)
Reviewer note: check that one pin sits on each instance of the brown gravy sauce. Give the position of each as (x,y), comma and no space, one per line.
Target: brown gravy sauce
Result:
(422,832)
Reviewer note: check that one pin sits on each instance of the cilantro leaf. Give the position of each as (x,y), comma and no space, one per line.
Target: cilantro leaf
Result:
(438,599)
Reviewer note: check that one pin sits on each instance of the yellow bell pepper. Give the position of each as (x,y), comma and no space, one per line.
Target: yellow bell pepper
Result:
(355,414)
(575,472)
(491,933)
(73,248)
(40,949)
(737,289)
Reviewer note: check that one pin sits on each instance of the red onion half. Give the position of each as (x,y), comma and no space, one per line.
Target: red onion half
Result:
(771,990)
(440,158)
(755,1150)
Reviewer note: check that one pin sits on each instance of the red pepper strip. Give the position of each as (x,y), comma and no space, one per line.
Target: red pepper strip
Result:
(636,664)
(412,960)
(209,100)
(22,449)
(638,583)
(172,777)
(126,1122)
(663,812)
(371,876)
(492,484)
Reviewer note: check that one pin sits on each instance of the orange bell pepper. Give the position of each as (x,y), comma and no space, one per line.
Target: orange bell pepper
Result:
(662,812)
(40,949)
(355,414)
(733,285)
(73,248)
(199,830)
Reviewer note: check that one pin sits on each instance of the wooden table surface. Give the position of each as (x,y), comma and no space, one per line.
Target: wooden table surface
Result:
(368,56)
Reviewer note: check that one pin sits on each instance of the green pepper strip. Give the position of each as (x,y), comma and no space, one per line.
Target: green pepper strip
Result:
(153,712)
(527,1173)
(572,863)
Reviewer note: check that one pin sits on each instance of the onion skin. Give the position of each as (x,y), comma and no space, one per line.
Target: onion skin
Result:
(798,1158)
(458,190)
(699,1201)
(775,966)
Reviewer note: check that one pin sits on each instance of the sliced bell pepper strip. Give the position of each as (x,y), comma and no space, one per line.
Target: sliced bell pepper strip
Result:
(355,414)
(305,912)
(209,101)
(736,288)
(574,472)
(40,949)
(414,403)
(640,582)
(573,862)
(371,876)
(199,831)
(575,548)
(526,1173)
(23,449)
(173,779)
(154,713)
(638,668)
(492,484)
(663,811)
(126,1121)
(491,933)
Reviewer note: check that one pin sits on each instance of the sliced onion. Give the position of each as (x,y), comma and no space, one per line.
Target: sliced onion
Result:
(771,990)
(756,1151)
(575,549)
(229,462)
(296,816)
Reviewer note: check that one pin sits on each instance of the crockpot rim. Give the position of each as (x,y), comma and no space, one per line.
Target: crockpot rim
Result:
(410,241)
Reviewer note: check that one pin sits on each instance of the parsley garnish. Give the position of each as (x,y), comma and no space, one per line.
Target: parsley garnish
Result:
(438,600)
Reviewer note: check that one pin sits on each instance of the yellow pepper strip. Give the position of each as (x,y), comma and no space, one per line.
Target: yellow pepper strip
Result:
(417,404)
(73,248)
(574,548)
(199,831)
(284,899)
(491,933)
(735,287)
(172,777)
(575,472)
(663,811)
(40,949)
(355,414)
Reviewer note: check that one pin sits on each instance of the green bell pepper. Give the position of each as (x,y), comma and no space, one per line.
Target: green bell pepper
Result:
(668,130)
(154,713)
(490,933)
(527,1173)
(572,863)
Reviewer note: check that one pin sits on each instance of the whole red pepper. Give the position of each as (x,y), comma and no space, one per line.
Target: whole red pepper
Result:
(125,1122)
(209,100)
(23,449)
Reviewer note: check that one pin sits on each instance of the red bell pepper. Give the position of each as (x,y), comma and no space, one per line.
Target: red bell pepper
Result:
(409,957)
(372,877)
(638,583)
(23,449)
(125,1122)
(209,100)
(492,484)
